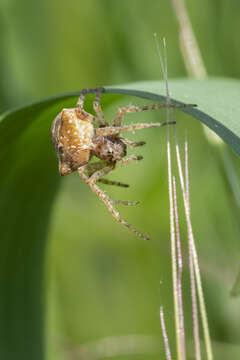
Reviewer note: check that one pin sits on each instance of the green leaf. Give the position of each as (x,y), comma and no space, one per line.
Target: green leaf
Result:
(29,182)
(217,100)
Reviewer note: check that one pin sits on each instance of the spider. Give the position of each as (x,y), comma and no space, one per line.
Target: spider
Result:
(76,140)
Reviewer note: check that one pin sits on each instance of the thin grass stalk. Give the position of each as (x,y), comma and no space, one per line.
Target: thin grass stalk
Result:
(165,337)
(191,269)
(195,260)
(187,191)
(173,252)
(179,274)
(188,42)
(195,67)
(172,226)
(177,304)
(194,305)
(169,113)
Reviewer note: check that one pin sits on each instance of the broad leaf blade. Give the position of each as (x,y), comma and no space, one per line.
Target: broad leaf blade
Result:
(217,99)
(29,181)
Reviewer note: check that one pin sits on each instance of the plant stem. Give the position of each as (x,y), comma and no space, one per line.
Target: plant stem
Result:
(188,43)
(165,337)
(195,260)
(179,275)
(191,269)
(173,252)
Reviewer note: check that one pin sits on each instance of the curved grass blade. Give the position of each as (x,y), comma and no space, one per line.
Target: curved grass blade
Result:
(29,181)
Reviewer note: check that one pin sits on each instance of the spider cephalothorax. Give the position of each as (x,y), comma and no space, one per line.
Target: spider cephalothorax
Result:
(76,141)
(108,148)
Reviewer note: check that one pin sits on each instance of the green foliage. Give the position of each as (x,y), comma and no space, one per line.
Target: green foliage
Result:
(217,100)
(100,280)
(29,182)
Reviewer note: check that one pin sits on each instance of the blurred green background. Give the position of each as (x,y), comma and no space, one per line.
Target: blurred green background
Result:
(101,280)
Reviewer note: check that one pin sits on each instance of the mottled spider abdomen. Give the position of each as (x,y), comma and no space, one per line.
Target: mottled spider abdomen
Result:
(72,132)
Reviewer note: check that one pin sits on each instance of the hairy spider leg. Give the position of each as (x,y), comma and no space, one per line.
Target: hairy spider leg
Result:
(96,176)
(100,173)
(86,91)
(100,119)
(109,204)
(98,109)
(133,109)
(96,171)
(91,168)
(111,182)
(122,202)
(130,159)
(114,130)
(133,157)
(132,143)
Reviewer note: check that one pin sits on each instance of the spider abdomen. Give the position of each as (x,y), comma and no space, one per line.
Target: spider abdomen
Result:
(72,134)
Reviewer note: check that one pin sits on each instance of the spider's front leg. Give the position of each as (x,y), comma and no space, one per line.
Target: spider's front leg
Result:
(130,159)
(115,130)
(133,109)
(132,143)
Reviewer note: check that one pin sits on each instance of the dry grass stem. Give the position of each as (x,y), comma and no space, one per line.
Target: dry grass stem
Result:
(188,43)
(179,328)
(165,337)
(169,113)
(191,268)
(195,258)
(179,275)
(173,251)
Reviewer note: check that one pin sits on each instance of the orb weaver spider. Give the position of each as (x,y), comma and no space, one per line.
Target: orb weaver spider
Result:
(76,140)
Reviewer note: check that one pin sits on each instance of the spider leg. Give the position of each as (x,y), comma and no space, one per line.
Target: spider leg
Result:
(96,176)
(108,202)
(97,108)
(130,159)
(133,109)
(122,202)
(132,143)
(99,120)
(91,168)
(110,182)
(114,130)
(86,91)
(81,99)
(100,173)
